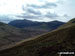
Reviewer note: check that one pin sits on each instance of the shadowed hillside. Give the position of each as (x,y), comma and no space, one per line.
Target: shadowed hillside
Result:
(62,39)
(10,35)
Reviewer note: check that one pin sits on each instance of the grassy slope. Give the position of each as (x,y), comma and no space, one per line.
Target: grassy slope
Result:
(62,39)
(71,22)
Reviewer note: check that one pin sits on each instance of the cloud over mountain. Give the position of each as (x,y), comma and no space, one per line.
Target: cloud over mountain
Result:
(38,9)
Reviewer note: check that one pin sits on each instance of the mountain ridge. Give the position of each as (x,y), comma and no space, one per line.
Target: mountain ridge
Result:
(36,25)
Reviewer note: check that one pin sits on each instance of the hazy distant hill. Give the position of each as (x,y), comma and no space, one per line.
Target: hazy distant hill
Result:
(27,24)
(61,39)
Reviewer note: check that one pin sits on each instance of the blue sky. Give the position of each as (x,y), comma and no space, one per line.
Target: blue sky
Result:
(37,10)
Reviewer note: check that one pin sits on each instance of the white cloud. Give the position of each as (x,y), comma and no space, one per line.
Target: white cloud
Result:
(66,7)
(10,6)
(42,20)
(49,0)
(52,0)
(15,6)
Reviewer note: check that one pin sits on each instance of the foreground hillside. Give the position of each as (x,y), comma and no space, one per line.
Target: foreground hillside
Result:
(62,39)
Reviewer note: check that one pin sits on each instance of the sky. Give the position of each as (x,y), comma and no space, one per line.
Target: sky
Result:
(37,10)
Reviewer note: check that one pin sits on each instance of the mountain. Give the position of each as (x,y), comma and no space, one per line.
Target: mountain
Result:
(10,34)
(49,44)
(27,24)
